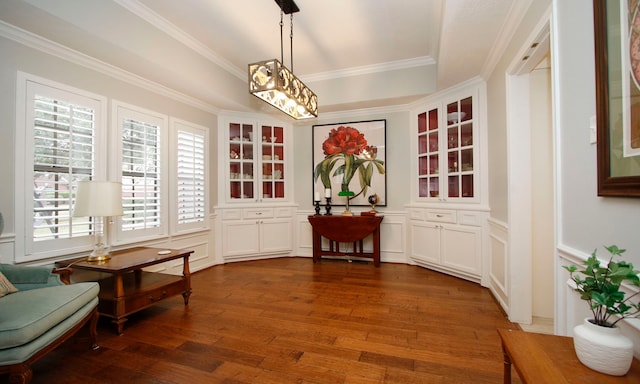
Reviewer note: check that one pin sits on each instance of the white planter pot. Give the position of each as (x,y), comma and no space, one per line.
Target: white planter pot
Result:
(603,349)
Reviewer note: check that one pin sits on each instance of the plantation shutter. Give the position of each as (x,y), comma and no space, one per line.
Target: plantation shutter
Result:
(190,177)
(63,153)
(140,175)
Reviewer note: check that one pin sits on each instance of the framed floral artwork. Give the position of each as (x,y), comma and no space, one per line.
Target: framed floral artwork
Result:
(617,60)
(349,162)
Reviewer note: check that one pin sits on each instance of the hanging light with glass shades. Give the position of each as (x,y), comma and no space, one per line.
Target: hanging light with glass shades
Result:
(276,84)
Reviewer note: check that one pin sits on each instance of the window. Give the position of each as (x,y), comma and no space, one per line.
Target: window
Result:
(63,148)
(61,136)
(191,149)
(142,168)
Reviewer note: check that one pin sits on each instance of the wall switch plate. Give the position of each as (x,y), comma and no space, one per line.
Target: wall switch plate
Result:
(592,130)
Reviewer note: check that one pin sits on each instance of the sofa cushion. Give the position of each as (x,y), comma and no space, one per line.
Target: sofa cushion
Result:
(24,352)
(5,286)
(26,315)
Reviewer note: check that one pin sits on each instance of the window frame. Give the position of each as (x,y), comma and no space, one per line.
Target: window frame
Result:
(120,112)
(27,85)
(176,126)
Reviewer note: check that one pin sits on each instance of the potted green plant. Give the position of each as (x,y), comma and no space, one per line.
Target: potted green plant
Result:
(600,286)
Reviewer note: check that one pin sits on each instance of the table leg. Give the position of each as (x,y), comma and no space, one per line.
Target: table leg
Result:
(376,247)
(118,302)
(138,276)
(186,273)
(316,246)
(507,366)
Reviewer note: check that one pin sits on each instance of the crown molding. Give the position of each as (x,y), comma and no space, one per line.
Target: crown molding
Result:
(142,11)
(368,69)
(517,12)
(354,113)
(52,48)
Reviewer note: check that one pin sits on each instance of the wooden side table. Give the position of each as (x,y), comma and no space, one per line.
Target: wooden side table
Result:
(346,229)
(542,359)
(128,288)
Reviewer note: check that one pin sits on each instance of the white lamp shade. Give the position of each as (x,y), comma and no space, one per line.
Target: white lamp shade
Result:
(98,198)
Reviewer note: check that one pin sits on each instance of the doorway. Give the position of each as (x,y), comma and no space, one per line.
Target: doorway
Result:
(531,220)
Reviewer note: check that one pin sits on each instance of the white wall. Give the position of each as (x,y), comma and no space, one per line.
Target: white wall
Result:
(585,221)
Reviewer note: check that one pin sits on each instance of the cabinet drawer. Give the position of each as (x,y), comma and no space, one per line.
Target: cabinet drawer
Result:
(258,213)
(470,218)
(416,214)
(231,214)
(440,216)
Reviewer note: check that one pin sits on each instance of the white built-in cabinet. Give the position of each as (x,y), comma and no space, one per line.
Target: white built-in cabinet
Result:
(448,240)
(448,213)
(255,211)
(256,231)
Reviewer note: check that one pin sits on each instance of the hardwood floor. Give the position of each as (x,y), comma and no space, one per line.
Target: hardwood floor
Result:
(290,321)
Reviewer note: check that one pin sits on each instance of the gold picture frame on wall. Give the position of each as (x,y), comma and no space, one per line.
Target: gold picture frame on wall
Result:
(617,64)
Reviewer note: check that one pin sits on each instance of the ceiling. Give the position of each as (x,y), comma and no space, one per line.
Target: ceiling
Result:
(352,53)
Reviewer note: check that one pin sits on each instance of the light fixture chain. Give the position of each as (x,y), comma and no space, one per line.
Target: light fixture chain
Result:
(281,40)
(291,38)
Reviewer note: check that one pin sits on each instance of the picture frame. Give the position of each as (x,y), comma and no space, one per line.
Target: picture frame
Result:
(617,59)
(371,162)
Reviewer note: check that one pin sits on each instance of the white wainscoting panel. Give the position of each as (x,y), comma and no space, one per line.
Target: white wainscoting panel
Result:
(7,249)
(498,259)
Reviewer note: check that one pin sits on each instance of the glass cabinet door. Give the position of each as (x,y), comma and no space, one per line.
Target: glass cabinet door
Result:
(256,162)
(446,151)
(460,148)
(428,152)
(241,161)
(273,162)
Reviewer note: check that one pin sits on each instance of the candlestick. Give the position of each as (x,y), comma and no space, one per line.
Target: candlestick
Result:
(317,207)
(327,207)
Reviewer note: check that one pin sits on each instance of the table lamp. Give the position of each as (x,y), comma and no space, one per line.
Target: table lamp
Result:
(98,199)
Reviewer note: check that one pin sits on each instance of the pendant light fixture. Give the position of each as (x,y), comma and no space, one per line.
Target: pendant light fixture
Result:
(276,84)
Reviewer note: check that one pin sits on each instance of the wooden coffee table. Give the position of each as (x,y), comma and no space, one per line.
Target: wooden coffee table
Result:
(128,288)
(541,359)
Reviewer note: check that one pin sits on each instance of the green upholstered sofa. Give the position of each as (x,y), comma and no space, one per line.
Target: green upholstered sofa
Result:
(41,315)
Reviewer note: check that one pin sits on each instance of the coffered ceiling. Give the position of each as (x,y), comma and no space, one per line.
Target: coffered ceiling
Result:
(352,53)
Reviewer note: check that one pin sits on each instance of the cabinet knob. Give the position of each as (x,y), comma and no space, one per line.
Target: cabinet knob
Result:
(438,215)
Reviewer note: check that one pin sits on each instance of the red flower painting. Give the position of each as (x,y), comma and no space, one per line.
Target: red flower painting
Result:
(346,140)
(347,148)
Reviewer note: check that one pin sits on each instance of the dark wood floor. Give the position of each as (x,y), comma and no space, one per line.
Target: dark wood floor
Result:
(290,321)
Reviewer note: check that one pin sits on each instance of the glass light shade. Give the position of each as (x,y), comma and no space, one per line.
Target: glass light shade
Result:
(274,83)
